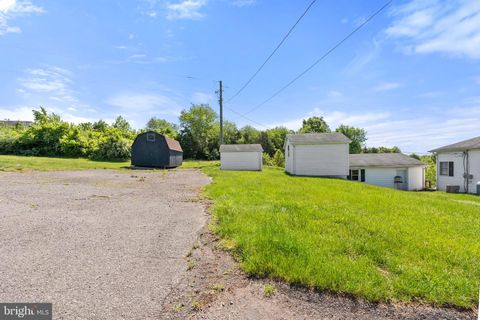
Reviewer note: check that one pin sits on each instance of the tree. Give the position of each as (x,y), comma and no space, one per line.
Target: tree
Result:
(277,136)
(163,127)
(415,156)
(197,130)
(248,135)
(315,125)
(100,125)
(267,144)
(357,135)
(381,150)
(122,124)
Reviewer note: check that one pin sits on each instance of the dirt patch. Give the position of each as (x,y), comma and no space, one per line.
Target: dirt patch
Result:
(216,288)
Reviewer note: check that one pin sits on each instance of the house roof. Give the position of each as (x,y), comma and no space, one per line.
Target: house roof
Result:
(383,160)
(317,138)
(173,144)
(469,144)
(241,148)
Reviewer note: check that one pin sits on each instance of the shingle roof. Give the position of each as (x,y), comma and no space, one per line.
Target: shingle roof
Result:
(469,144)
(241,148)
(383,160)
(317,138)
(173,144)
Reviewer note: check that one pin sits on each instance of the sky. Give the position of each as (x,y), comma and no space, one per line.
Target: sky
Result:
(410,77)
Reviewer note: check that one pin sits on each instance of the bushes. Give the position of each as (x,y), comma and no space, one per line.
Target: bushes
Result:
(51,136)
(278,159)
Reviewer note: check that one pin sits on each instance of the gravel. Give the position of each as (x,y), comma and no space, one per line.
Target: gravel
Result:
(97,244)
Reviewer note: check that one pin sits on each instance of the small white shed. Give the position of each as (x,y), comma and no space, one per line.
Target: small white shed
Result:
(241,157)
(317,154)
(391,170)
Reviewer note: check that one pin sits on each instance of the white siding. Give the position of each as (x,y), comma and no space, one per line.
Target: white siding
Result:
(458,170)
(475,170)
(416,178)
(457,179)
(384,177)
(321,160)
(289,149)
(241,160)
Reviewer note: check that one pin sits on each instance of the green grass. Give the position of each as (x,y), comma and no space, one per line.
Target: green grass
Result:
(348,237)
(20,163)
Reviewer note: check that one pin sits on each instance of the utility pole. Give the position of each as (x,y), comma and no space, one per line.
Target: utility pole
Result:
(220,102)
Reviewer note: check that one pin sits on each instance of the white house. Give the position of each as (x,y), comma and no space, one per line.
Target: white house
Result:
(241,157)
(392,170)
(317,154)
(458,164)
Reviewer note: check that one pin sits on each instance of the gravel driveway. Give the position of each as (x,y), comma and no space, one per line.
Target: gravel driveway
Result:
(97,244)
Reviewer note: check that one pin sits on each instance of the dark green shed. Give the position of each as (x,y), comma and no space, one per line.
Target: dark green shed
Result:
(151,149)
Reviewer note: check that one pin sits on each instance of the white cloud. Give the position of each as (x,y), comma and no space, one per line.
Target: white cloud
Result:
(386,86)
(144,102)
(437,26)
(16,113)
(243,3)
(202,97)
(186,9)
(336,118)
(410,130)
(11,9)
(52,81)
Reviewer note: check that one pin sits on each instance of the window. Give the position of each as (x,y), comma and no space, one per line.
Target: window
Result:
(354,175)
(446,168)
(357,175)
(288,151)
(150,137)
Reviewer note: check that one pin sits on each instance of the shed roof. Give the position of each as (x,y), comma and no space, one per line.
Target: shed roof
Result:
(464,145)
(173,144)
(317,138)
(384,160)
(241,148)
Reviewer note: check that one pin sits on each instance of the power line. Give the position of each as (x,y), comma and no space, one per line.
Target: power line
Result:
(248,119)
(273,52)
(320,59)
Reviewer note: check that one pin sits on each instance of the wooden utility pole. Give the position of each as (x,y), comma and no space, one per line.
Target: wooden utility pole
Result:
(220,102)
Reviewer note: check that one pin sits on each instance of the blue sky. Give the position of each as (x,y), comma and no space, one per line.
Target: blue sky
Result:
(411,77)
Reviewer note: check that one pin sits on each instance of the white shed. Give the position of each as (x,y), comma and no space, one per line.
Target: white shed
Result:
(317,154)
(391,170)
(241,157)
(458,164)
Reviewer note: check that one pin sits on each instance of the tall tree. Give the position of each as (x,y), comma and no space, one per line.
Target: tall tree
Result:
(277,136)
(248,135)
(163,127)
(314,125)
(197,130)
(357,135)
(122,124)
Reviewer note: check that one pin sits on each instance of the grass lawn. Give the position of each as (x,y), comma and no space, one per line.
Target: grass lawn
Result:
(349,237)
(19,163)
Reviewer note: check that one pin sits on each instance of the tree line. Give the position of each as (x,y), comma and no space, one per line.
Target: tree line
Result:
(198,131)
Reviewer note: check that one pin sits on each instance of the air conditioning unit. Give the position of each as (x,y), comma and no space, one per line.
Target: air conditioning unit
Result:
(453,189)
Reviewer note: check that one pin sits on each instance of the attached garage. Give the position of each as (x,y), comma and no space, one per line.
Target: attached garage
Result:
(241,157)
(391,170)
(151,149)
